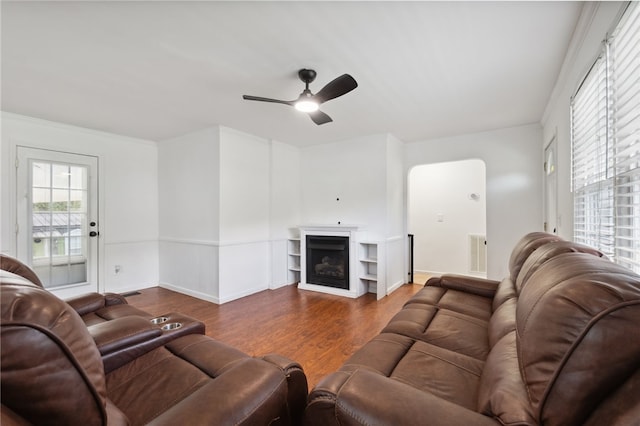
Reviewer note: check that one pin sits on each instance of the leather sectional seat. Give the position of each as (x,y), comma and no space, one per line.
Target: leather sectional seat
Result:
(555,343)
(53,371)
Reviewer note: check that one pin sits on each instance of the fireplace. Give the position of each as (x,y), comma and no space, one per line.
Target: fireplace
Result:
(327,261)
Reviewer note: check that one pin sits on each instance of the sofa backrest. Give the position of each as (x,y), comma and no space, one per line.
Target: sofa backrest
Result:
(548,251)
(51,370)
(523,249)
(11,264)
(577,339)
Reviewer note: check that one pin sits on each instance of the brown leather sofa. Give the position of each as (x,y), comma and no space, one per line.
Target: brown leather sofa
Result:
(555,343)
(52,371)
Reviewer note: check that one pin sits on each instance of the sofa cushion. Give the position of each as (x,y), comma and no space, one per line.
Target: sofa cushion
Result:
(501,392)
(364,398)
(454,300)
(183,377)
(429,368)
(575,321)
(442,327)
(506,290)
(502,322)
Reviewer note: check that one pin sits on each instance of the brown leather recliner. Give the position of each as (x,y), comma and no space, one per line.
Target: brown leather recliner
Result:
(94,308)
(52,373)
(121,332)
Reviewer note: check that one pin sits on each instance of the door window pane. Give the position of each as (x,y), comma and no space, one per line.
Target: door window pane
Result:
(60,176)
(59,210)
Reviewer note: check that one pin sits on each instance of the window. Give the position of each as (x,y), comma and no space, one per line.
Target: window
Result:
(605,135)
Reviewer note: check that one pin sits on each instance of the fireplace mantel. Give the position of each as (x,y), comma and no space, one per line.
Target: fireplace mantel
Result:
(331,228)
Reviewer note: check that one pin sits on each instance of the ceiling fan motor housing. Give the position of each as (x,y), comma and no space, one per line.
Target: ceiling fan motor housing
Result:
(307,75)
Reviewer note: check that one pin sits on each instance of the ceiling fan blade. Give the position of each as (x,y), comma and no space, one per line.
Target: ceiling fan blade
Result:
(320,117)
(337,87)
(258,98)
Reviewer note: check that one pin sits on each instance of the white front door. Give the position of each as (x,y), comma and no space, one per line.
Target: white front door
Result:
(57,210)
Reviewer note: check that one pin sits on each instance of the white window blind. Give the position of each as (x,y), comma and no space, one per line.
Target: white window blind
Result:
(625,93)
(605,134)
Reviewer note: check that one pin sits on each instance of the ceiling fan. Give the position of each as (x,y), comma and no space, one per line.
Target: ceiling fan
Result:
(308,102)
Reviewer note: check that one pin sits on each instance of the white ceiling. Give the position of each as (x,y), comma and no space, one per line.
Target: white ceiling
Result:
(156,70)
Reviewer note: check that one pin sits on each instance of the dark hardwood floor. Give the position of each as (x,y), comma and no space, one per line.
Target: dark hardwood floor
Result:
(319,331)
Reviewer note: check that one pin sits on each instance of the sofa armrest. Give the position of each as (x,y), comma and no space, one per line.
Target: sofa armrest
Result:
(473,285)
(86,303)
(111,299)
(365,397)
(91,302)
(297,383)
(123,332)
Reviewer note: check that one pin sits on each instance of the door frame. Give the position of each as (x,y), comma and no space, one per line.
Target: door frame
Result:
(411,228)
(548,226)
(26,153)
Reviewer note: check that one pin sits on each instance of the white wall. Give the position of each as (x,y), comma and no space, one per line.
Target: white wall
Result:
(396,237)
(513,159)
(286,192)
(128,179)
(597,19)
(442,214)
(346,182)
(244,214)
(227,201)
(189,184)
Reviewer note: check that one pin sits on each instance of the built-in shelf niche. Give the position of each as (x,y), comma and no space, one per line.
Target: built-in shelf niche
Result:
(293,259)
(370,271)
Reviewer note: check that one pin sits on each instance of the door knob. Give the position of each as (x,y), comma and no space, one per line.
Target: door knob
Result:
(93,234)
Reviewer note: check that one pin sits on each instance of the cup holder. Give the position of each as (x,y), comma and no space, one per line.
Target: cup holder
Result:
(171,326)
(159,320)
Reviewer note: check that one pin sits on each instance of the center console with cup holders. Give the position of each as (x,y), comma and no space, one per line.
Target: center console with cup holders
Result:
(126,338)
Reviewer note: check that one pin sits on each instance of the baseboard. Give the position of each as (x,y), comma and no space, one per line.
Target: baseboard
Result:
(216,300)
(395,286)
(189,292)
(244,293)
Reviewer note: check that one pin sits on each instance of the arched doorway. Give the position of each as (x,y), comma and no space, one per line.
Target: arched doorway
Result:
(447,217)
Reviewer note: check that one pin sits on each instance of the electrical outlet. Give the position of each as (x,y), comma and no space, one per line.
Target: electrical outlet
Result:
(117,269)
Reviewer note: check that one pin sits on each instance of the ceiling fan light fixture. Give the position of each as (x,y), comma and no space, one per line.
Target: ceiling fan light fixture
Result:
(310,103)
(306,105)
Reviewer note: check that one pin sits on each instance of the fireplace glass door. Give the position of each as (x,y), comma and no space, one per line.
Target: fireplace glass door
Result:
(328,261)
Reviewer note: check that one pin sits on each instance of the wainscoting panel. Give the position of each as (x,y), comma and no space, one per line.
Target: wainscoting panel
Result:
(129,265)
(244,269)
(190,267)
(396,270)
(279,272)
